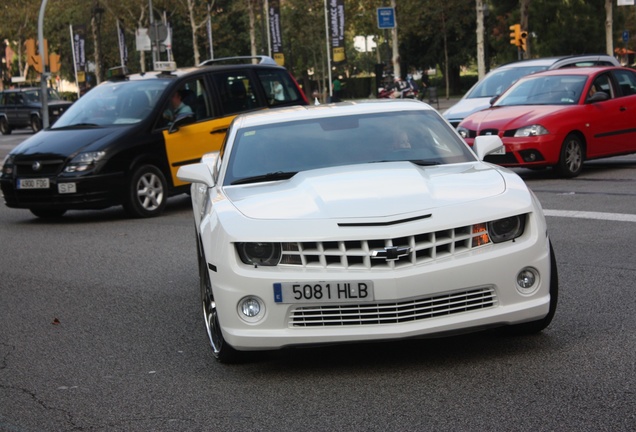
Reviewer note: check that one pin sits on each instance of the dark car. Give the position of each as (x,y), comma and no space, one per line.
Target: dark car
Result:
(22,108)
(123,141)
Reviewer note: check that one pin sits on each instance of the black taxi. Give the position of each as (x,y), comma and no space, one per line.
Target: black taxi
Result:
(123,142)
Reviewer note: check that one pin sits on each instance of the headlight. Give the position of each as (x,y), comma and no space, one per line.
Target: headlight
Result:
(506,229)
(84,161)
(7,165)
(265,254)
(462,131)
(534,130)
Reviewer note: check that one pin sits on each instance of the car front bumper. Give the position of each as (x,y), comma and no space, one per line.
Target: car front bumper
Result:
(425,300)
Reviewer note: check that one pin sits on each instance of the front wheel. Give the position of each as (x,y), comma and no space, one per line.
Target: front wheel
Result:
(221,350)
(5,129)
(146,192)
(571,158)
(36,124)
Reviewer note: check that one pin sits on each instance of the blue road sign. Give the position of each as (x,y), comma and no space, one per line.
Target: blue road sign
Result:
(625,35)
(386,18)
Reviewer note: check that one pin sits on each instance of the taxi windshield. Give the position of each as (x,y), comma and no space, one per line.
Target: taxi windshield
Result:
(114,103)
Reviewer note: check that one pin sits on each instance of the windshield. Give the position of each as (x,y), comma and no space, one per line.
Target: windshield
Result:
(280,150)
(114,103)
(34,95)
(500,79)
(545,90)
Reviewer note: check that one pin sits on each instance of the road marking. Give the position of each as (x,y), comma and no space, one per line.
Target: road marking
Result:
(620,217)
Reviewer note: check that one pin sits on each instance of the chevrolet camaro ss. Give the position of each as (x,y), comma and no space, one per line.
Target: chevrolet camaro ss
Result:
(363,221)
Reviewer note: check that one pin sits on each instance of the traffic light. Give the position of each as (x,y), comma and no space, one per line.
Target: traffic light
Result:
(515,34)
(523,40)
(54,61)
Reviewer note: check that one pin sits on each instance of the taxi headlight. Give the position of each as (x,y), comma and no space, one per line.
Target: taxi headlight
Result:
(7,165)
(259,253)
(505,229)
(84,161)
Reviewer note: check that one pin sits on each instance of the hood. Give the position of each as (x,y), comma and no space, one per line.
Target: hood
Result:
(381,190)
(466,107)
(512,117)
(66,142)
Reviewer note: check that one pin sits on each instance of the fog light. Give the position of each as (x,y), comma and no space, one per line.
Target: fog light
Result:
(251,309)
(527,281)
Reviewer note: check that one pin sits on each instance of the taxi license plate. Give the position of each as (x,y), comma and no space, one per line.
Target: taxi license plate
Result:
(38,183)
(323,292)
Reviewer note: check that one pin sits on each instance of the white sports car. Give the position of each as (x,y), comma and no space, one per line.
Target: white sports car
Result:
(363,221)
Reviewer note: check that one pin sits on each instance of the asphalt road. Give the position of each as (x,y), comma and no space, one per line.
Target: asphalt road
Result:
(102,331)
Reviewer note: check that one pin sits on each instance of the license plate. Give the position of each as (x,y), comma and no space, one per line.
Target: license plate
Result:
(38,183)
(66,188)
(323,292)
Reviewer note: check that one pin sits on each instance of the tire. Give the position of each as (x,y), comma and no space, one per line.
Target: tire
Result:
(5,129)
(221,350)
(572,156)
(36,124)
(537,326)
(48,213)
(146,192)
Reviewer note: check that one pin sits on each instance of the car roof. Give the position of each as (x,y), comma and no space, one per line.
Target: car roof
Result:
(367,106)
(556,61)
(223,64)
(587,70)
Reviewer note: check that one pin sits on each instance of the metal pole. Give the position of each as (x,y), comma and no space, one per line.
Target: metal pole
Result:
(44,94)
(269,29)
(210,32)
(328,51)
(151,21)
(74,60)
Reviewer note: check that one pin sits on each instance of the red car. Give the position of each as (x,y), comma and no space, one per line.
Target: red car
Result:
(561,118)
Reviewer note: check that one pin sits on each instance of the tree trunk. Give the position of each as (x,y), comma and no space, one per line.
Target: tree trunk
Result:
(609,43)
(481,63)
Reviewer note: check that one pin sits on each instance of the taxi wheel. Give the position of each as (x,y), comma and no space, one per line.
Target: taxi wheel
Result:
(36,124)
(536,326)
(48,213)
(146,192)
(222,351)
(4,126)
(572,154)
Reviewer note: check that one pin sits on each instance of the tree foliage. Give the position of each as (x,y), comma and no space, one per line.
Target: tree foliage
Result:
(432,33)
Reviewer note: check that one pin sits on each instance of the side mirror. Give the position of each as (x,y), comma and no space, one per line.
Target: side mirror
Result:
(182,119)
(493,99)
(196,173)
(599,96)
(488,144)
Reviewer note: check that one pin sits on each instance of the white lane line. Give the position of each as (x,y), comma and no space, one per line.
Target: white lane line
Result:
(620,217)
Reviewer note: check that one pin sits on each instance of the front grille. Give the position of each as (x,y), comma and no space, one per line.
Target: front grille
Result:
(489,132)
(359,254)
(46,167)
(395,312)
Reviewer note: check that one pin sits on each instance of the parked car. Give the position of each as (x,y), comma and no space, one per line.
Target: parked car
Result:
(561,118)
(123,142)
(499,79)
(363,221)
(22,108)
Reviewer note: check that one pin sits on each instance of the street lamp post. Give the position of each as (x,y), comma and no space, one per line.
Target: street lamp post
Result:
(97,13)
(44,93)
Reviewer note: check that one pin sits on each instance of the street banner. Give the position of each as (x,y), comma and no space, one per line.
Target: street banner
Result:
(275,32)
(79,45)
(123,49)
(142,40)
(625,3)
(336,30)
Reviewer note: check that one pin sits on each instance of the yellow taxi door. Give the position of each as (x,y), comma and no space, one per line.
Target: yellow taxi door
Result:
(190,142)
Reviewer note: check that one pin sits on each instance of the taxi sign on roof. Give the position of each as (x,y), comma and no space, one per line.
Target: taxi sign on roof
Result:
(165,66)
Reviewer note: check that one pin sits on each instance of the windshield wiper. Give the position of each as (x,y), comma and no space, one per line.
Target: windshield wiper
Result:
(424,162)
(77,125)
(278,175)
